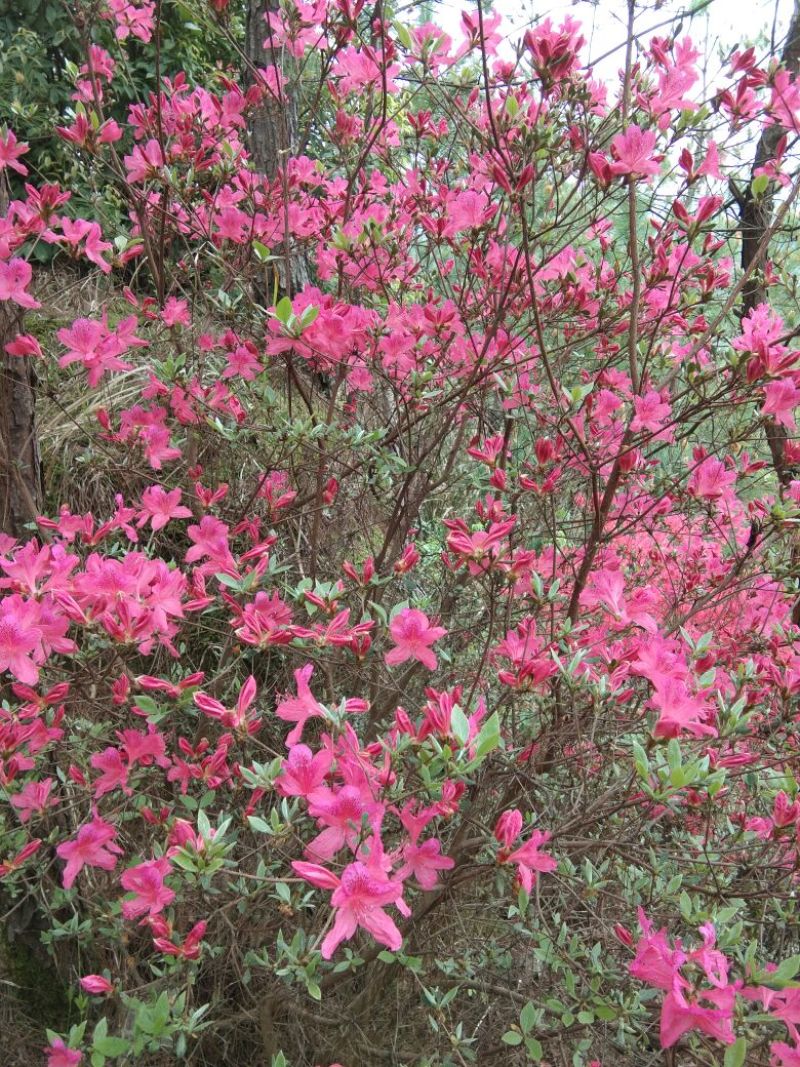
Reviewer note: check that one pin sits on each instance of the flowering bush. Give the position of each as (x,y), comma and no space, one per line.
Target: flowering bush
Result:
(412,600)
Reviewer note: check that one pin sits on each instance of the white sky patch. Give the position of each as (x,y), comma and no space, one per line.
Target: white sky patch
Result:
(716,30)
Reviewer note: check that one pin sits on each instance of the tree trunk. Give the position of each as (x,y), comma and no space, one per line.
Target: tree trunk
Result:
(20,480)
(273,131)
(273,125)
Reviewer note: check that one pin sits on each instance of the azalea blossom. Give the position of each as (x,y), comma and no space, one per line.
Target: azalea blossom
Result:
(634,153)
(94,846)
(413,635)
(10,151)
(359,898)
(146,882)
(60,1055)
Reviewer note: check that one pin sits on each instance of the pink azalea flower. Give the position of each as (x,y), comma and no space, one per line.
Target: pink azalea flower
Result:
(680,1013)
(786,1055)
(160,506)
(359,899)
(508,827)
(176,312)
(114,772)
(530,860)
(341,813)
(780,399)
(633,152)
(712,480)
(424,861)
(24,344)
(146,881)
(20,641)
(59,1055)
(10,151)
(650,413)
(93,846)
(34,799)
(191,947)
(15,276)
(413,635)
(210,539)
(679,710)
(25,853)
(657,962)
(301,708)
(302,772)
(235,718)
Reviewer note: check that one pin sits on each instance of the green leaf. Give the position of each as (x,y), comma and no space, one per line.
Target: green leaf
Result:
(228,580)
(511,1037)
(403,36)
(782,975)
(259,825)
(527,1018)
(759,185)
(736,1054)
(641,761)
(487,740)
(112,1046)
(283,310)
(534,1049)
(459,725)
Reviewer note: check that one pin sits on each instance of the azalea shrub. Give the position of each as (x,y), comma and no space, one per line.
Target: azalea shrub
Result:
(399,664)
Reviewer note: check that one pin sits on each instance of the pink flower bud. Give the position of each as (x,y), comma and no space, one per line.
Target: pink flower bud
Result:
(97,985)
(508,827)
(623,935)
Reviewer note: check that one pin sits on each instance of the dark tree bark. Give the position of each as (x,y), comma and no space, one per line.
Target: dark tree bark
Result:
(273,125)
(20,480)
(20,483)
(273,130)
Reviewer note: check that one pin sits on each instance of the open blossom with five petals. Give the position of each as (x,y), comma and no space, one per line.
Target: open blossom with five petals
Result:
(688,1005)
(92,846)
(34,799)
(710,1011)
(413,636)
(302,772)
(424,862)
(359,899)
(634,153)
(236,718)
(160,506)
(341,814)
(146,882)
(15,276)
(299,709)
(60,1055)
(10,151)
(529,860)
